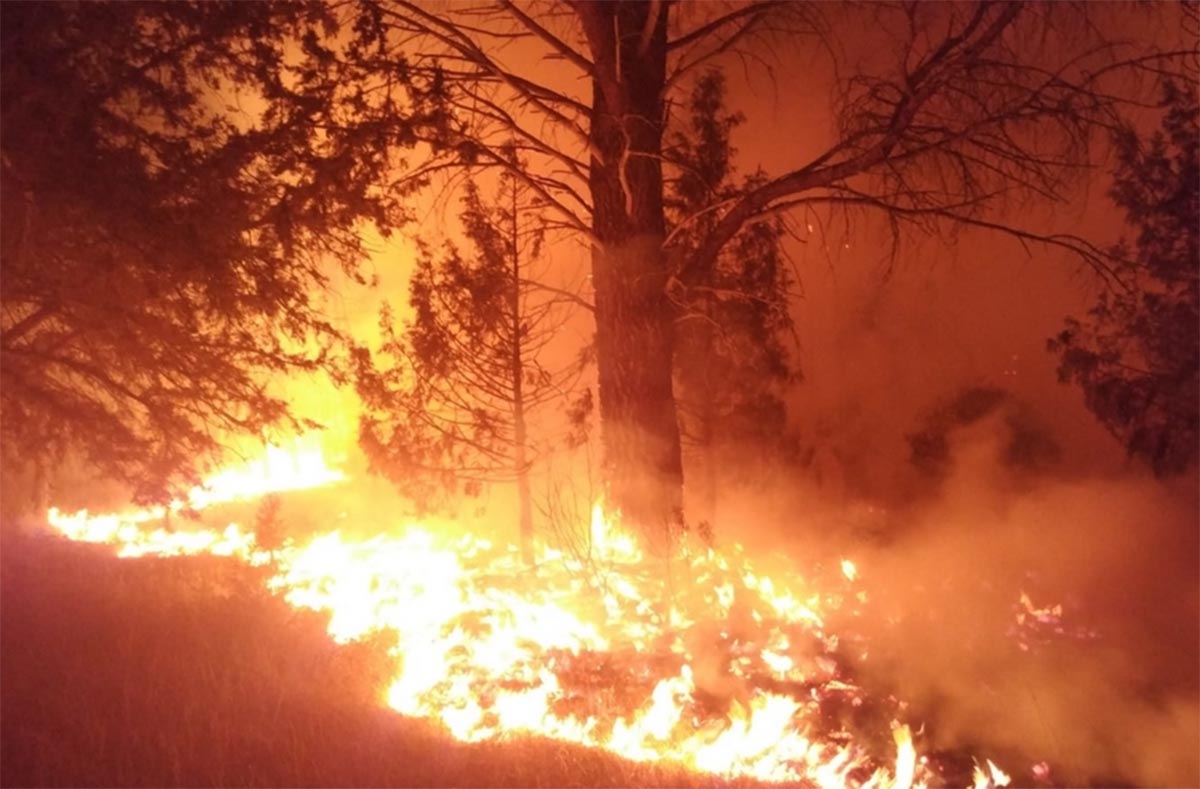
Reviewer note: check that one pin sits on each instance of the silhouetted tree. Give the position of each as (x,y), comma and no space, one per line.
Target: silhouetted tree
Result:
(1027,444)
(944,113)
(448,403)
(978,103)
(1136,356)
(162,254)
(731,358)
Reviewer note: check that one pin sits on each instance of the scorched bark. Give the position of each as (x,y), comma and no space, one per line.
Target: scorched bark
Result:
(628,42)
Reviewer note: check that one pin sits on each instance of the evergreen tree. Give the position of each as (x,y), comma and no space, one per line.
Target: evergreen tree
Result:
(448,401)
(732,362)
(162,255)
(1136,355)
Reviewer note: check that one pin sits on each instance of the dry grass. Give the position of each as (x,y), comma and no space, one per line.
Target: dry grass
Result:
(183,672)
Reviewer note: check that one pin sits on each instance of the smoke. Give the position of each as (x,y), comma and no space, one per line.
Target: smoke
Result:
(1105,689)
(1024,617)
(1016,490)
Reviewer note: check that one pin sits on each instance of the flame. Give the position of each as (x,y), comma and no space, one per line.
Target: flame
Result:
(906,756)
(278,470)
(993,778)
(602,650)
(1035,624)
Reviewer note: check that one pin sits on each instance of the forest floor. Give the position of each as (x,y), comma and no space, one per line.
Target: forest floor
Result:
(186,672)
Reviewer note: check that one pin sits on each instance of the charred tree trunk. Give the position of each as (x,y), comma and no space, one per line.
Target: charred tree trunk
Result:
(634,340)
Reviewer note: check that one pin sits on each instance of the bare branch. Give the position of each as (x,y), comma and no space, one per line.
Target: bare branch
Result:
(573,298)
(700,33)
(560,46)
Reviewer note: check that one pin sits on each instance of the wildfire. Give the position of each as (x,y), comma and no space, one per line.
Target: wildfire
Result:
(729,674)
(278,470)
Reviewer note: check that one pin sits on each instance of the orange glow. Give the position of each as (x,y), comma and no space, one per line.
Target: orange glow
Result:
(992,778)
(278,470)
(488,648)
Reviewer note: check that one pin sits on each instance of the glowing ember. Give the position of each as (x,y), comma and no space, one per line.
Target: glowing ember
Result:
(1037,624)
(602,652)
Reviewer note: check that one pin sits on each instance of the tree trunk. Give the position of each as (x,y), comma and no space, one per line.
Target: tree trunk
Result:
(634,342)
(708,421)
(523,499)
(696,386)
(520,435)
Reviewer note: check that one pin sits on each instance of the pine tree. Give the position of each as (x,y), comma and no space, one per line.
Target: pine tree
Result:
(732,362)
(1137,354)
(448,401)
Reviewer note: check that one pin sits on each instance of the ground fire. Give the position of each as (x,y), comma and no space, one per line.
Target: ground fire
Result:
(733,673)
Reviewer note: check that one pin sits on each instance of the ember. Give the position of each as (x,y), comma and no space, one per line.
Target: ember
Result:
(1035,625)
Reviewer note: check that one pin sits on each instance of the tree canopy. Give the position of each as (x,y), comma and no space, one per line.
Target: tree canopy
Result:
(946,115)
(163,251)
(118,133)
(1136,356)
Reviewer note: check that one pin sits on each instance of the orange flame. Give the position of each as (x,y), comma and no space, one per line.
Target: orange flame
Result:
(487,647)
(993,778)
(278,470)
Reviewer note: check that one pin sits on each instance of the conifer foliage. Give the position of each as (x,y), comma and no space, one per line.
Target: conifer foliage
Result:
(733,359)
(1136,355)
(449,397)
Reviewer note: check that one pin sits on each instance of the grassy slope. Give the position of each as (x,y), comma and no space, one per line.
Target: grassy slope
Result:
(146,673)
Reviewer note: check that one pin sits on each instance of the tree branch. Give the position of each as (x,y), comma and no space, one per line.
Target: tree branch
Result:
(559,46)
(920,86)
(692,36)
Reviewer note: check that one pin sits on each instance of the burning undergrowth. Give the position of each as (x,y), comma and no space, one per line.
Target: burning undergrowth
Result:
(705,661)
(734,676)
(991,635)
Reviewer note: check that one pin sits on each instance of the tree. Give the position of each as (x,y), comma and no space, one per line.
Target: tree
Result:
(1028,445)
(947,113)
(163,255)
(1136,356)
(731,360)
(452,409)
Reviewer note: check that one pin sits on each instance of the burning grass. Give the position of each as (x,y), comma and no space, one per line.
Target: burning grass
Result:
(704,666)
(728,674)
(702,662)
(185,672)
